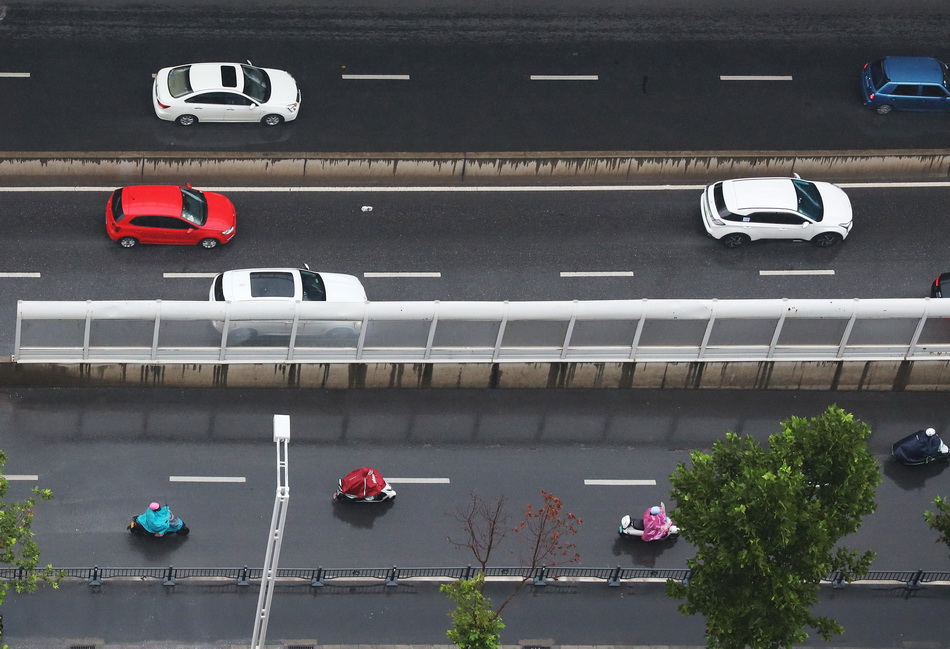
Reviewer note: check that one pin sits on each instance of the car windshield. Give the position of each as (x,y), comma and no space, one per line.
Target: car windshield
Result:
(194,207)
(179,81)
(313,288)
(809,199)
(878,78)
(256,83)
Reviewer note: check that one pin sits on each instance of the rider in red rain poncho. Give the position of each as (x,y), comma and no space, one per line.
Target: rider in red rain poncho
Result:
(656,524)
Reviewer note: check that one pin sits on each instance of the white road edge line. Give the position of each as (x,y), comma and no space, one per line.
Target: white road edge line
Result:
(418,480)
(187,275)
(564,77)
(751,77)
(19,274)
(377,77)
(559,188)
(20,477)
(620,483)
(796,272)
(15,75)
(597,273)
(402,274)
(206,478)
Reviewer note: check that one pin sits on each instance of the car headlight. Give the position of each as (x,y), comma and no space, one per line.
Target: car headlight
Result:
(228,231)
(292,108)
(847,226)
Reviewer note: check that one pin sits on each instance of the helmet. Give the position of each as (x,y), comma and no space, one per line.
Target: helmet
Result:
(655,510)
(931,432)
(154,507)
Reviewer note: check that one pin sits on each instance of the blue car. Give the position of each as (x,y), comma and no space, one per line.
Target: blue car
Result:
(906,83)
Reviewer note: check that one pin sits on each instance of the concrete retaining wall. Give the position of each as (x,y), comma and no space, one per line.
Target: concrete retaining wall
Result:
(318,169)
(850,375)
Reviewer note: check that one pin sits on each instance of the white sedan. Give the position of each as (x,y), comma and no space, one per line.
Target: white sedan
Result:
(749,209)
(225,92)
(285,286)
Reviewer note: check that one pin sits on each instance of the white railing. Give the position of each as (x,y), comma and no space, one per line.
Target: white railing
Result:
(594,331)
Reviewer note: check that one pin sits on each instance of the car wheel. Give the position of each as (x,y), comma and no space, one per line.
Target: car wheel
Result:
(826,239)
(128,242)
(884,109)
(187,120)
(208,243)
(272,120)
(734,240)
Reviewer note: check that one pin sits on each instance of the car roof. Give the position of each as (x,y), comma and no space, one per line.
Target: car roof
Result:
(750,194)
(913,69)
(152,200)
(207,76)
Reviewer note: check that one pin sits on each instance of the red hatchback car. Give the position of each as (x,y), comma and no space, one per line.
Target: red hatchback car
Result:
(170,215)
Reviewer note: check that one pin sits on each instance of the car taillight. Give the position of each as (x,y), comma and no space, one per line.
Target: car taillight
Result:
(866,65)
(871,96)
(161,105)
(937,282)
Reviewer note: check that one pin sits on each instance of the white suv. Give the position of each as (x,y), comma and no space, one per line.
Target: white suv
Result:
(748,209)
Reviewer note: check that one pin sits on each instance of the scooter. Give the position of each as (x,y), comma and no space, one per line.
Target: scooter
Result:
(157,521)
(365,485)
(922,447)
(650,527)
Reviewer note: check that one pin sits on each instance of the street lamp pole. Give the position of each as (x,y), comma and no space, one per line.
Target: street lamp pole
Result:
(275,536)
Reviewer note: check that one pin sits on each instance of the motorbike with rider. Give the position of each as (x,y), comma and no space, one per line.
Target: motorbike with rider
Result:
(157,520)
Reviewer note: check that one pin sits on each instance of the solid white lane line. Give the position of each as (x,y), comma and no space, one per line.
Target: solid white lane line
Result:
(796,272)
(620,483)
(21,477)
(751,77)
(187,275)
(564,77)
(402,274)
(597,273)
(378,77)
(19,274)
(15,75)
(418,480)
(205,478)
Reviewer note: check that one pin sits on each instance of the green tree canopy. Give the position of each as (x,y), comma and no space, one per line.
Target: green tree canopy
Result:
(474,624)
(940,520)
(766,522)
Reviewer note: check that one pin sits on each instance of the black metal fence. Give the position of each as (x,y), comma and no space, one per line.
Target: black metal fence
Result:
(318,577)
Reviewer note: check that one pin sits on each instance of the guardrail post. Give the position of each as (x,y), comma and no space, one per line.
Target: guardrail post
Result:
(686,578)
(914,582)
(468,573)
(392,579)
(170,576)
(244,579)
(94,578)
(316,578)
(614,578)
(837,580)
(540,578)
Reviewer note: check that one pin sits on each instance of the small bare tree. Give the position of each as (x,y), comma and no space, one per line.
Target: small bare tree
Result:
(484,526)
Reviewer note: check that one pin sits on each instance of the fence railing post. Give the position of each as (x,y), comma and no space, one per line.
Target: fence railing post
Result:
(837,580)
(316,578)
(914,582)
(170,576)
(614,578)
(392,579)
(244,579)
(468,573)
(95,578)
(540,578)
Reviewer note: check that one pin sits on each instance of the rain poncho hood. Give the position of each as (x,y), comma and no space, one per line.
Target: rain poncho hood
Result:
(363,483)
(159,521)
(656,526)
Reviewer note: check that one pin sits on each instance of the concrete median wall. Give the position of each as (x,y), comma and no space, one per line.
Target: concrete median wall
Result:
(318,169)
(841,375)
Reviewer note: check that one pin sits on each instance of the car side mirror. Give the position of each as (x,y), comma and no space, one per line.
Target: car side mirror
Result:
(805,224)
(794,175)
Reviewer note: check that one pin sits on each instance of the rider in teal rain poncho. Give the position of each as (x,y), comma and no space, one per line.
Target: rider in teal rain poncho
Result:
(159,520)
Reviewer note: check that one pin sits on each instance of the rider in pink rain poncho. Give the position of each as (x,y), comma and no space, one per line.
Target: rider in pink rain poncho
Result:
(656,524)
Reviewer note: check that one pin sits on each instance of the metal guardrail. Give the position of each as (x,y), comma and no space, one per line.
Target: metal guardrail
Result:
(478,332)
(318,577)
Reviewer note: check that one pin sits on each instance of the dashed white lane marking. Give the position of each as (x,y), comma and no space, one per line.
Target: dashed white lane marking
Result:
(378,77)
(205,478)
(597,273)
(418,480)
(21,477)
(402,274)
(620,483)
(564,77)
(187,275)
(19,274)
(15,75)
(796,272)
(751,77)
